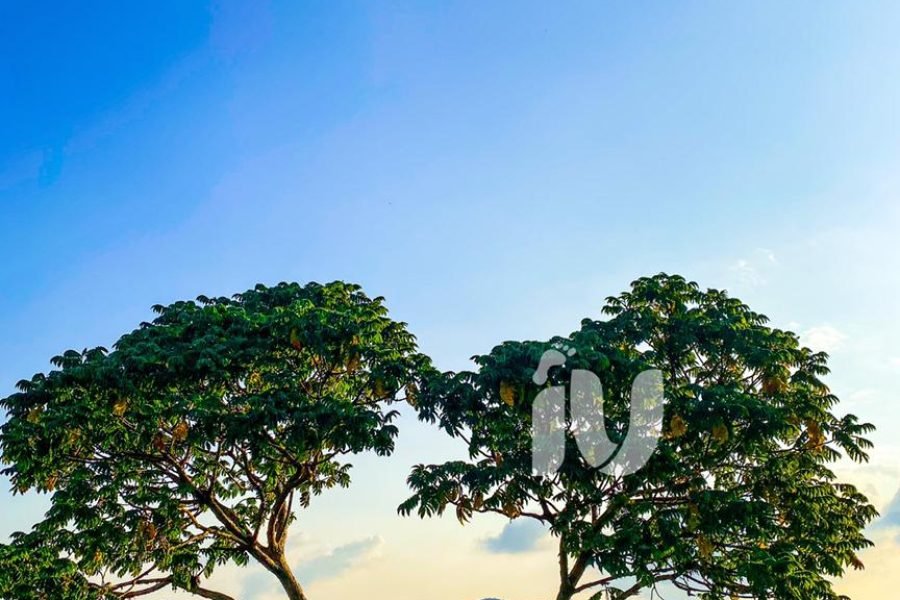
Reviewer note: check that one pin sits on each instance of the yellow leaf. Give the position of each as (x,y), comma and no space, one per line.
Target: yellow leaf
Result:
(412,393)
(147,531)
(507,393)
(704,546)
(254,382)
(295,339)
(720,433)
(120,407)
(693,517)
(814,432)
(180,432)
(773,385)
(34,415)
(677,427)
(73,436)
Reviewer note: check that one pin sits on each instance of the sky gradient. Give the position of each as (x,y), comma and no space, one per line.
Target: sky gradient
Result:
(494,170)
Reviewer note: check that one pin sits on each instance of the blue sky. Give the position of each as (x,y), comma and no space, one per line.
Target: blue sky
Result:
(495,170)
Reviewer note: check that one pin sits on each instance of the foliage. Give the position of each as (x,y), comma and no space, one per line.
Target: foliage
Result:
(194,441)
(736,502)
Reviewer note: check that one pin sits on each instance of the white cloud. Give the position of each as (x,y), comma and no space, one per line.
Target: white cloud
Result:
(750,271)
(517,536)
(746,273)
(339,560)
(321,565)
(823,338)
(863,395)
(767,254)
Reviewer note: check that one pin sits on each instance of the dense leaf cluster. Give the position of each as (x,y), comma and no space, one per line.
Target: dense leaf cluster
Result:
(736,502)
(195,440)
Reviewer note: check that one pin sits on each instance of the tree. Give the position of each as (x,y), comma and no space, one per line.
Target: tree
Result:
(196,439)
(737,501)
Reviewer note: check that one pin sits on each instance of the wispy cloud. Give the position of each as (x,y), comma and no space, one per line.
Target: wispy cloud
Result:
(517,537)
(823,338)
(339,560)
(750,271)
(890,517)
(863,395)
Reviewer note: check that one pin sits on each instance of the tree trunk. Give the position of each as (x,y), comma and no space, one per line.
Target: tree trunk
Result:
(289,582)
(565,589)
(275,563)
(565,593)
(569,579)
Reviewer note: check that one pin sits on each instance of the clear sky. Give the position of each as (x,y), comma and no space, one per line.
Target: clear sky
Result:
(494,169)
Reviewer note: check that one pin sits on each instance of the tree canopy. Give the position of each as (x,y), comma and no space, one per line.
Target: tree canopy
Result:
(737,501)
(193,442)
